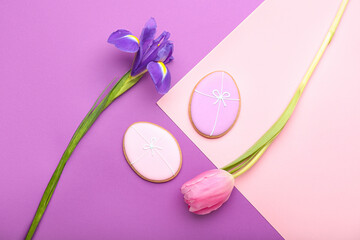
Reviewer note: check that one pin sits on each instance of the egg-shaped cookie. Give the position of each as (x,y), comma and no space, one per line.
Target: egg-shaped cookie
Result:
(152,152)
(214,104)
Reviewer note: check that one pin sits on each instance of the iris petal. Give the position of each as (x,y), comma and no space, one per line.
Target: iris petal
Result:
(169,59)
(146,38)
(124,40)
(159,50)
(160,76)
(160,54)
(148,33)
(165,52)
(164,36)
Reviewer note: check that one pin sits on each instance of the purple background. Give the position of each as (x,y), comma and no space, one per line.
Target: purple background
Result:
(54,63)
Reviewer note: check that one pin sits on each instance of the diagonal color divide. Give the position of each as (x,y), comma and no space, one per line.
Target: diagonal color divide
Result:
(307,184)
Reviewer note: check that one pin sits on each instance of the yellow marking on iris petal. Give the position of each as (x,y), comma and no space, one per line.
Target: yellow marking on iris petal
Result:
(163,68)
(133,38)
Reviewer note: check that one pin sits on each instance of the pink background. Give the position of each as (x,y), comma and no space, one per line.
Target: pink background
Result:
(307,184)
(54,63)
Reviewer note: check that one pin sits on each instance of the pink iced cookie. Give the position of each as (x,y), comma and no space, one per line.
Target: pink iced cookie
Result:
(214,104)
(152,152)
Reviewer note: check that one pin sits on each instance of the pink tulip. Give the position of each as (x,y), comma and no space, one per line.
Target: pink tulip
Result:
(208,191)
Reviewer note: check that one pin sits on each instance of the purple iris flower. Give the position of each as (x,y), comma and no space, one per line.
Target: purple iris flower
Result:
(151,54)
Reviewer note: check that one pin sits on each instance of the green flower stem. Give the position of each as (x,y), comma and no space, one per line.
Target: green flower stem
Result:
(237,167)
(250,162)
(124,84)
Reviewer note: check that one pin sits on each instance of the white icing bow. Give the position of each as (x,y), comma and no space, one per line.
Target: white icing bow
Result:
(151,145)
(220,96)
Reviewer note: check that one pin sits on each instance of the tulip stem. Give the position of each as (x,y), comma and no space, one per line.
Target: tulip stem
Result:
(125,83)
(249,163)
(242,164)
(256,150)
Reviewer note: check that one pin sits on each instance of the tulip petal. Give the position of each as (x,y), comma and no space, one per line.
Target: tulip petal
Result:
(208,191)
(124,40)
(160,76)
(208,209)
(199,178)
